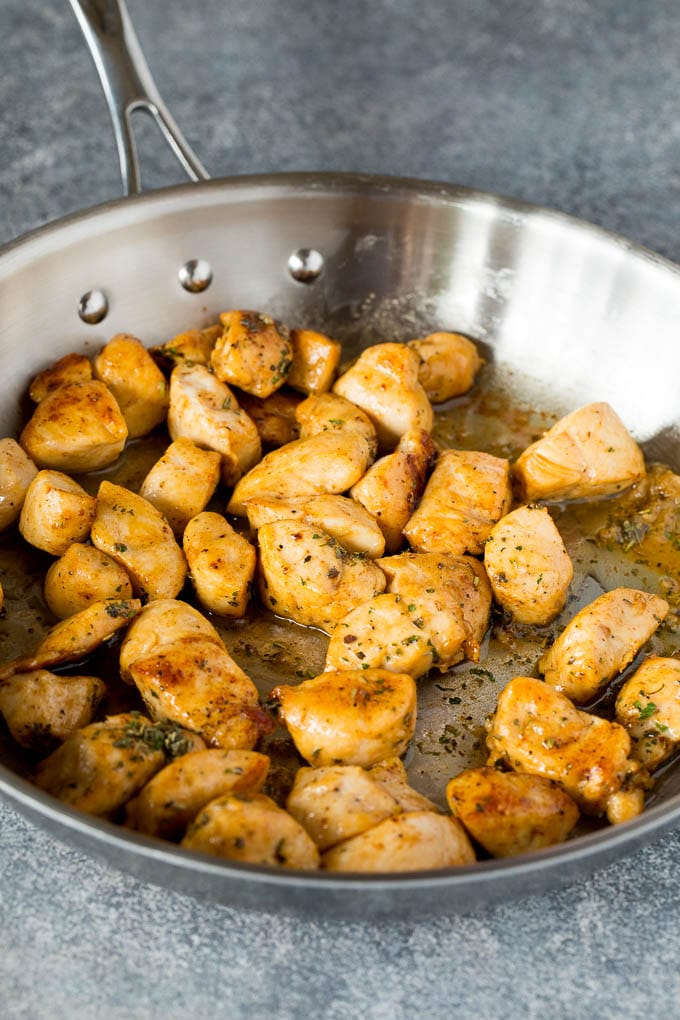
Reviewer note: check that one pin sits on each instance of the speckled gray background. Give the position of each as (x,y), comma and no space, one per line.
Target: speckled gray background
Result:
(574,105)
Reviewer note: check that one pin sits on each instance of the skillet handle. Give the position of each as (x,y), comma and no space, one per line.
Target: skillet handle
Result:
(129,87)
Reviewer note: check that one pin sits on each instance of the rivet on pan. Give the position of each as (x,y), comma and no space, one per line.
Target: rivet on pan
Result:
(305,264)
(93,307)
(195,275)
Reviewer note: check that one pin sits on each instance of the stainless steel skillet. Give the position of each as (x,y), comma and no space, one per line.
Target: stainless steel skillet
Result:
(575,313)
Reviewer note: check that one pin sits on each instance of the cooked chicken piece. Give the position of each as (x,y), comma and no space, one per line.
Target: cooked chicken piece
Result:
(343,519)
(78,427)
(467,493)
(349,717)
(77,637)
(192,347)
(56,512)
(536,729)
(648,705)
(383,381)
(414,841)
(600,641)
(159,626)
(337,802)
(84,575)
(330,462)
(529,569)
(589,453)
(252,829)
(274,416)
(69,369)
(391,487)
(136,382)
(254,352)
(173,797)
(328,412)
(42,709)
(205,410)
(221,564)
(391,775)
(182,482)
(448,365)
(17,471)
(315,361)
(510,813)
(136,534)
(305,575)
(457,585)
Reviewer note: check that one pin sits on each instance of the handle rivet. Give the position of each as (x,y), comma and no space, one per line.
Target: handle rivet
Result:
(93,307)
(195,275)
(305,265)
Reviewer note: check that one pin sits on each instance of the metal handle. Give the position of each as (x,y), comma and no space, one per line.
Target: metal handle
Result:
(129,87)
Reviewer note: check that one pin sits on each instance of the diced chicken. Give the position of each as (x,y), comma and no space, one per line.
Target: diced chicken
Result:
(391,775)
(391,488)
(330,462)
(42,709)
(69,369)
(192,347)
(384,383)
(536,729)
(56,512)
(182,482)
(17,471)
(132,531)
(511,813)
(448,365)
(173,797)
(84,575)
(254,352)
(648,705)
(160,625)
(251,828)
(349,717)
(343,519)
(410,842)
(586,454)
(600,641)
(315,361)
(466,495)
(78,427)
(205,410)
(529,569)
(136,382)
(328,412)
(274,416)
(307,576)
(221,564)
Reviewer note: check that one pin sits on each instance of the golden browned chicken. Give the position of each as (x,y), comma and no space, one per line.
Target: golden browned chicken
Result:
(528,566)
(328,412)
(600,641)
(343,519)
(42,709)
(412,841)
(274,416)
(448,365)
(192,347)
(69,369)
(182,482)
(56,512)
(391,775)
(467,493)
(315,361)
(136,382)
(648,705)
(158,627)
(588,453)
(254,352)
(17,471)
(81,576)
(221,564)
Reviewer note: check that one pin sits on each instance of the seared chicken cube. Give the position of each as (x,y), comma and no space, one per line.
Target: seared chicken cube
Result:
(328,412)
(69,369)
(205,410)
(600,641)
(81,576)
(344,520)
(56,512)
(254,352)
(274,416)
(448,365)
(349,717)
(159,626)
(536,729)
(307,576)
(588,453)
(132,531)
(409,842)
(648,705)
(42,709)
(511,813)
(182,482)
(221,564)
(383,381)
(78,427)
(192,347)
(251,828)
(315,361)
(136,382)
(392,487)
(529,569)
(391,775)
(173,797)
(17,471)
(466,495)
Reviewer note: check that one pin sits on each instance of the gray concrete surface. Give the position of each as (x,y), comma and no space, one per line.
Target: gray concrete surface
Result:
(572,105)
